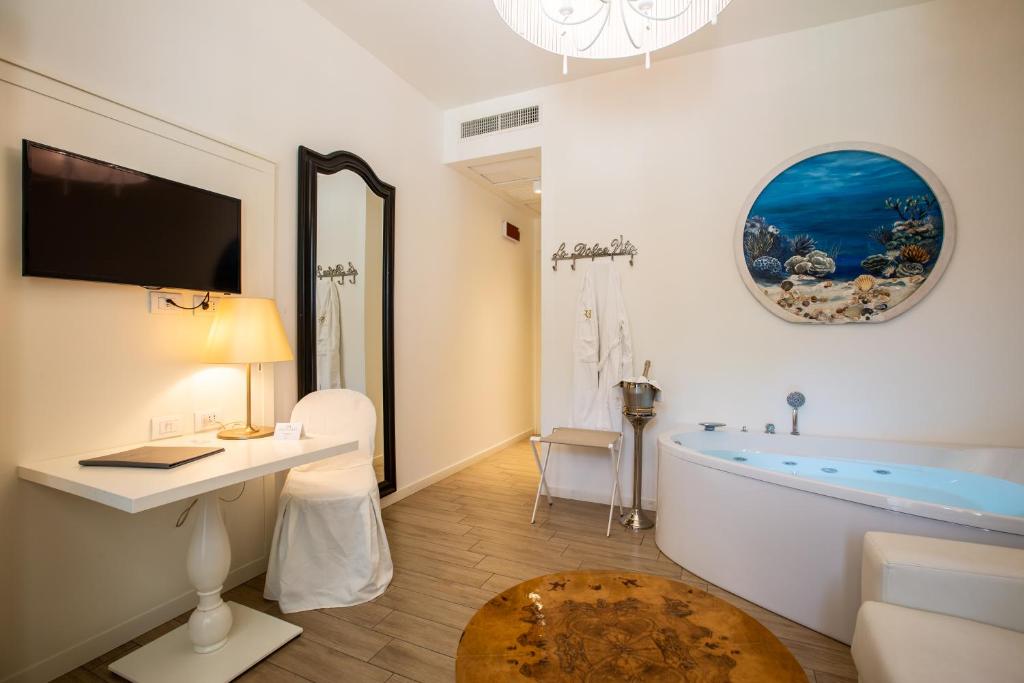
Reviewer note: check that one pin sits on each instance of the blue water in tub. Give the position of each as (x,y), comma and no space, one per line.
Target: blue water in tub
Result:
(915,482)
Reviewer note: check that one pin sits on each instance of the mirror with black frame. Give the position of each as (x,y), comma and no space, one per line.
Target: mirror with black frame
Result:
(345,288)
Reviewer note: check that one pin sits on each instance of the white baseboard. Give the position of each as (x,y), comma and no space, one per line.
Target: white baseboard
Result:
(90,648)
(557,491)
(599,496)
(423,483)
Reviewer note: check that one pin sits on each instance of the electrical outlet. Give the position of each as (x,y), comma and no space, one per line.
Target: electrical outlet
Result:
(205,419)
(159,302)
(197,300)
(165,427)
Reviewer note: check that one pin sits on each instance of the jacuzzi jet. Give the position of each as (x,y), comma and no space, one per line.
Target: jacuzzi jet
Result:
(829,470)
(791,463)
(882,472)
(739,458)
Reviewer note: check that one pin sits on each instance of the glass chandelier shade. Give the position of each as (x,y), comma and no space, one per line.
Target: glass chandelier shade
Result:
(607,29)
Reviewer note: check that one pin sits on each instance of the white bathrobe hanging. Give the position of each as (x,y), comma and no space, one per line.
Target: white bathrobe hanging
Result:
(586,355)
(616,348)
(602,350)
(329,363)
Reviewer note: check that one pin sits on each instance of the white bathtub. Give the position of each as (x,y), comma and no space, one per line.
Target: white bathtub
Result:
(758,515)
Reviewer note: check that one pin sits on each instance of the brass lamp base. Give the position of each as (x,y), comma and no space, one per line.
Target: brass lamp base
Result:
(245,433)
(248,431)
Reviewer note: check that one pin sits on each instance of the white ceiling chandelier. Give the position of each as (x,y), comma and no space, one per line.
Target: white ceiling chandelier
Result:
(607,29)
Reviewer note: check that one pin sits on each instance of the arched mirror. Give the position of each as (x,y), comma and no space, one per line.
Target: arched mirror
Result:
(346,285)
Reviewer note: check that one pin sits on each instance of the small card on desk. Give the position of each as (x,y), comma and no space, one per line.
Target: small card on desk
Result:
(288,431)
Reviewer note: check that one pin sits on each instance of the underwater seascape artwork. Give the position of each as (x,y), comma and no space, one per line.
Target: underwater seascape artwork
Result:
(843,236)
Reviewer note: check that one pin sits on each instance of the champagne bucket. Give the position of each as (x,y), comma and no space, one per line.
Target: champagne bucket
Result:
(638,396)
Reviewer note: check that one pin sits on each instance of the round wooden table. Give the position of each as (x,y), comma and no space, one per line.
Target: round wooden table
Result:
(601,627)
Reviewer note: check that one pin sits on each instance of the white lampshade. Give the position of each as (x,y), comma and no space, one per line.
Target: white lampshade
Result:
(607,29)
(247,330)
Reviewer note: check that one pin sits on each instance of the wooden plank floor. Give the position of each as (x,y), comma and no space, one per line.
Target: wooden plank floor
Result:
(455,544)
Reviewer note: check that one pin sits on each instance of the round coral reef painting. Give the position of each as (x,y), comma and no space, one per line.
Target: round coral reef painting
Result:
(845,233)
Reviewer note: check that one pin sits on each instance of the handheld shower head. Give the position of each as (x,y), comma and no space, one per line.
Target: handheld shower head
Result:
(795,400)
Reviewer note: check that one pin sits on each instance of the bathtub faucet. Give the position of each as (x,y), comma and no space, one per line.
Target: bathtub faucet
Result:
(795,401)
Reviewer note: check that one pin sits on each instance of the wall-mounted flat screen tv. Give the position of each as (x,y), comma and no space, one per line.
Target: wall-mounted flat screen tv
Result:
(85,219)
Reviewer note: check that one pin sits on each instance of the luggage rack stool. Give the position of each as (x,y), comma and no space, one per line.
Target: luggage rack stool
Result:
(585,438)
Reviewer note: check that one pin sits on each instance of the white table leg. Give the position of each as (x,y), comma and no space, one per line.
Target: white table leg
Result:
(209,559)
(221,639)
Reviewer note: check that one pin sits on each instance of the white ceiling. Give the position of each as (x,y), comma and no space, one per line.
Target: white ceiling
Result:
(460,51)
(509,175)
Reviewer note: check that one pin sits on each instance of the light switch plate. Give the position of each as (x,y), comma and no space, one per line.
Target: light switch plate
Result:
(165,427)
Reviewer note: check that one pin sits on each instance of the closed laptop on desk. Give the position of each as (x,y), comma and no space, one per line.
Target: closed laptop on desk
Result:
(159,457)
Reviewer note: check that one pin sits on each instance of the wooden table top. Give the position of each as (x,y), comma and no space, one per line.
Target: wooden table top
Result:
(618,626)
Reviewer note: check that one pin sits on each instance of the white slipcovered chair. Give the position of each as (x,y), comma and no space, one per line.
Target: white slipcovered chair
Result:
(329,547)
(937,611)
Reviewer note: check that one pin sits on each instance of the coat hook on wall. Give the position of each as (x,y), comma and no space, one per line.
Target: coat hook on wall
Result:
(337,271)
(618,247)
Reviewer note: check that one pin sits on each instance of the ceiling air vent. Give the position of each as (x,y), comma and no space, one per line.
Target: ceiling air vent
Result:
(520,117)
(482,126)
(517,118)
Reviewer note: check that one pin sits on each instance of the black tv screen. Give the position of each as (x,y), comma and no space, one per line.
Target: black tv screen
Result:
(85,219)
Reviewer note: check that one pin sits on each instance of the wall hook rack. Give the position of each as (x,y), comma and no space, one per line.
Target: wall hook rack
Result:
(337,271)
(618,247)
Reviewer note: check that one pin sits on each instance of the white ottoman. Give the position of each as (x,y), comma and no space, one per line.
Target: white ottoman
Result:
(937,610)
(893,644)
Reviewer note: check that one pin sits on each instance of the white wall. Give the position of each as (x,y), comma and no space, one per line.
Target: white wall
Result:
(84,366)
(667,158)
(269,75)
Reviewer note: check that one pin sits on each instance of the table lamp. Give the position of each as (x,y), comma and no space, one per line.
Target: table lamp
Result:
(247,330)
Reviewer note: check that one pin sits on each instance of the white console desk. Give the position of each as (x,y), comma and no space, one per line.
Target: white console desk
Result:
(221,640)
